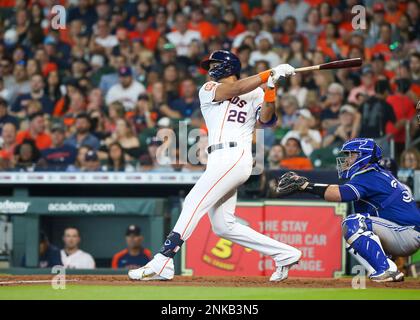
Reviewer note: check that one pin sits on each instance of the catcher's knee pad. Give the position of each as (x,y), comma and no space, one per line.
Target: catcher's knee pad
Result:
(354,226)
(172,245)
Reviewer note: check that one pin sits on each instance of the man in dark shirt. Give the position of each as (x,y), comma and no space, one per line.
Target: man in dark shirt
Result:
(37,93)
(5,117)
(59,156)
(188,102)
(377,113)
(49,255)
(83,136)
(135,255)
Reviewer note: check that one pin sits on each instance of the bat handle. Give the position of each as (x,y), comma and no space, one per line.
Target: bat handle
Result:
(304,69)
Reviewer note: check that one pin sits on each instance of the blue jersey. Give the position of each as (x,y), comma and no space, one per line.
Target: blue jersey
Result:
(377,192)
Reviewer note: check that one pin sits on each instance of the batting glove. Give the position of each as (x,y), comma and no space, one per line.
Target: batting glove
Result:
(282,70)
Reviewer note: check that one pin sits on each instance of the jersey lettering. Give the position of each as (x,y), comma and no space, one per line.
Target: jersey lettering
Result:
(235,116)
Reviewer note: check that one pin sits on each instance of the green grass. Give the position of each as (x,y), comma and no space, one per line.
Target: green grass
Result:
(88,292)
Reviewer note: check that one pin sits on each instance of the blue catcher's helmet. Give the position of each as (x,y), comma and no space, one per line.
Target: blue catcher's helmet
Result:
(368,152)
(229,64)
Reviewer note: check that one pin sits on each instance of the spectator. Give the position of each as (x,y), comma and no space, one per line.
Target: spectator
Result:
(366,88)
(125,136)
(312,28)
(5,117)
(309,139)
(276,154)
(126,91)
(142,117)
(71,256)
(295,159)
(80,163)
(27,156)
(182,36)
(83,136)
(264,52)
(20,84)
(404,109)
(37,93)
(92,163)
(184,106)
(103,38)
(335,98)
(49,254)
(377,113)
(36,132)
(254,29)
(289,107)
(297,8)
(116,159)
(410,159)
(8,141)
(145,33)
(135,255)
(112,78)
(346,129)
(415,67)
(59,156)
(297,89)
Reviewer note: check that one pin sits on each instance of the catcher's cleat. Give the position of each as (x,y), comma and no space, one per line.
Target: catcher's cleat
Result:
(387,276)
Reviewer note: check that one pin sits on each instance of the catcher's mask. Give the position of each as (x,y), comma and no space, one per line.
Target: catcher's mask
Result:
(345,162)
(367,151)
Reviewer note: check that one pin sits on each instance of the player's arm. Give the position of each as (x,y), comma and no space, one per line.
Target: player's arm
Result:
(291,183)
(267,114)
(225,91)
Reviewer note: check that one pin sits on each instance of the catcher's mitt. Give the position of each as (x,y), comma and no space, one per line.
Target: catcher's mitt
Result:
(290,183)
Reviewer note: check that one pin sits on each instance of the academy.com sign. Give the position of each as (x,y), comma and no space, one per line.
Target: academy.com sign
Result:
(81,207)
(14,206)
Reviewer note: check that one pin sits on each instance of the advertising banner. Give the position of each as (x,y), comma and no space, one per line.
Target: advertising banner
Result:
(313,227)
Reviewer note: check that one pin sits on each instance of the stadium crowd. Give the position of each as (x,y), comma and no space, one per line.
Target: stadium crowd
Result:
(94,95)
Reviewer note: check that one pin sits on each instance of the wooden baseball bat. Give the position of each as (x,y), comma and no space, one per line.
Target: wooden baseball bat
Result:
(339,64)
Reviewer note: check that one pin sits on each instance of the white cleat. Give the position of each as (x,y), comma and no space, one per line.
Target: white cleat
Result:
(280,274)
(159,268)
(144,274)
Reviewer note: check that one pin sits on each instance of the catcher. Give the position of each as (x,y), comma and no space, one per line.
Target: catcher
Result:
(387,220)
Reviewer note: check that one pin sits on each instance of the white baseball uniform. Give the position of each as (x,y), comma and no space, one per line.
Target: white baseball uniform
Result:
(77,260)
(215,192)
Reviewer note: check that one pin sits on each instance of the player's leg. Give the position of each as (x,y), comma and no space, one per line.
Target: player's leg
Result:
(225,225)
(214,183)
(366,247)
(397,241)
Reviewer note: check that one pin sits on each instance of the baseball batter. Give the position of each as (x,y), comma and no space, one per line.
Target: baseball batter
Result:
(231,109)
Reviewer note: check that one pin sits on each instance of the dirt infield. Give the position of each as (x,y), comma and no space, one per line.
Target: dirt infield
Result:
(121,280)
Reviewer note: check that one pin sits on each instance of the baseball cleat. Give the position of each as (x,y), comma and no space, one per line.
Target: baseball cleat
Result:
(388,276)
(159,268)
(144,274)
(280,274)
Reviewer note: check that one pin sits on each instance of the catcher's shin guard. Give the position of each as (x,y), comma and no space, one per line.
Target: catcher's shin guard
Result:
(365,245)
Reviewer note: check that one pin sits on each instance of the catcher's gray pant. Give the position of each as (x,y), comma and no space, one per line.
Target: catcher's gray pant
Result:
(398,241)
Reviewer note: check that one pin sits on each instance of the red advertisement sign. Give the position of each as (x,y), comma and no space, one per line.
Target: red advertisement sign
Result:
(312,227)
